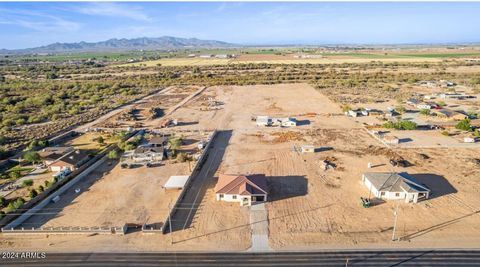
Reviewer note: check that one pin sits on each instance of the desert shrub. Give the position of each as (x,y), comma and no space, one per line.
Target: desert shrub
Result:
(446,133)
(3,201)
(15,174)
(113,154)
(182,157)
(464,125)
(425,112)
(33,193)
(442,103)
(41,188)
(400,109)
(100,140)
(28,182)
(401,125)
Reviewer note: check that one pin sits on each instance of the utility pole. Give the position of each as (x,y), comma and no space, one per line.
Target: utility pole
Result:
(395,213)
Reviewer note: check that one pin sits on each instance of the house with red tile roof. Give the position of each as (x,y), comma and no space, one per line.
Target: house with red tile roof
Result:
(245,189)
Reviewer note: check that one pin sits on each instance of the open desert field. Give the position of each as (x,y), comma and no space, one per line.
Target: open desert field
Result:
(313,208)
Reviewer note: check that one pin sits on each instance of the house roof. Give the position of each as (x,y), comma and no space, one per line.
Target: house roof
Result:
(147,149)
(72,158)
(395,182)
(241,184)
(53,153)
(176,181)
(158,140)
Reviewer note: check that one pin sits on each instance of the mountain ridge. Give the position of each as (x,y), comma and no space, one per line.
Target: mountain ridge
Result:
(123,44)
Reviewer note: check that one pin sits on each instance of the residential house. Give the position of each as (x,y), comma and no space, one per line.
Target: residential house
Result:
(158,141)
(395,186)
(452,95)
(71,161)
(51,154)
(147,154)
(245,189)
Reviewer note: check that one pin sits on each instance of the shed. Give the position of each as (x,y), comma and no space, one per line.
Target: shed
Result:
(392,140)
(308,149)
(176,182)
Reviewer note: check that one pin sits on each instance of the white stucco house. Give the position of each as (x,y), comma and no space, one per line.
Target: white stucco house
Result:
(245,189)
(395,186)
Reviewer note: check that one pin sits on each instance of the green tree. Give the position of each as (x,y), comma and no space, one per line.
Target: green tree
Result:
(175,143)
(100,140)
(3,201)
(113,154)
(41,188)
(3,140)
(32,157)
(464,125)
(33,193)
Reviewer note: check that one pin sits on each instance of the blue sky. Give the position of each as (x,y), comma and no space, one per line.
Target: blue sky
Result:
(33,24)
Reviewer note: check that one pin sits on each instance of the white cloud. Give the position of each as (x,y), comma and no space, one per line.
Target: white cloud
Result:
(37,21)
(114,10)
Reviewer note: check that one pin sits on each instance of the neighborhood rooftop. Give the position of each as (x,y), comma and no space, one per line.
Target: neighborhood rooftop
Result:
(395,182)
(241,184)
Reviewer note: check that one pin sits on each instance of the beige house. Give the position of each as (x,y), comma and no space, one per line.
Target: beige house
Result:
(395,186)
(71,161)
(245,189)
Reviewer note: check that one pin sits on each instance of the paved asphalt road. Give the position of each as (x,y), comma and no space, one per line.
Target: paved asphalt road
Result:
(325,258)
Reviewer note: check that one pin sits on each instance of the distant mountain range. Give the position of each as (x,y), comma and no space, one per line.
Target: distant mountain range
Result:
(144,43)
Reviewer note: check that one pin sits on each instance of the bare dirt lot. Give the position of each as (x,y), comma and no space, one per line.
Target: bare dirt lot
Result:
(112,196)
(313,208)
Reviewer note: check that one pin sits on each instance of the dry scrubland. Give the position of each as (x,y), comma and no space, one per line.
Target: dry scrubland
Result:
(272,59)
(308,208)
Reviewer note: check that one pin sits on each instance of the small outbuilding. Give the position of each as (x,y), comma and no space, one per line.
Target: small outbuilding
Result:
(391,140)
(176,182)
(395,186)
(307,149)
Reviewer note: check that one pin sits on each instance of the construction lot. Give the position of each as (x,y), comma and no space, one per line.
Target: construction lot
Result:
(309,207)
